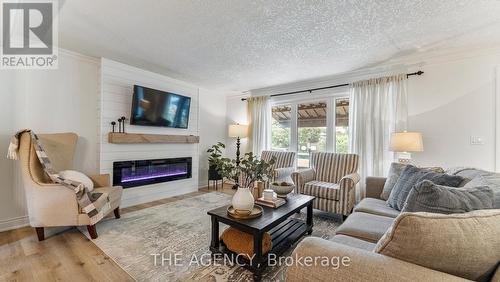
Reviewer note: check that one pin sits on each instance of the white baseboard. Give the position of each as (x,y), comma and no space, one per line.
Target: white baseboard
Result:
(13,223)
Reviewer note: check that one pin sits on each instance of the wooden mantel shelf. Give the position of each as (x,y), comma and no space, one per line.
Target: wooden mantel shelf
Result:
(137,138)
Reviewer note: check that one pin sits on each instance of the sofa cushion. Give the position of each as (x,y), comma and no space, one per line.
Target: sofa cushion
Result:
(365,226)
(429,197)
(324,190)
(354,242)
(465,245)
(376,206)
(412,175)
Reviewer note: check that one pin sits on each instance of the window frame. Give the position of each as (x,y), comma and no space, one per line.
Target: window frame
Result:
(294,100)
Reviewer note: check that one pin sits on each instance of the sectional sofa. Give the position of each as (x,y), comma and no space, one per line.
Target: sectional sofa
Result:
(431,239)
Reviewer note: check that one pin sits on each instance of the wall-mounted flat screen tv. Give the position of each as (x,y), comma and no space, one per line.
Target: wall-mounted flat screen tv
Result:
(153,107)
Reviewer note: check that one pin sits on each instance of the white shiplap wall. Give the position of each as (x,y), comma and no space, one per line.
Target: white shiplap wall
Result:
(116,89)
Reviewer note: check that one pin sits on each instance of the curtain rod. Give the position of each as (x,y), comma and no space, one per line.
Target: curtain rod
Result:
(328,87)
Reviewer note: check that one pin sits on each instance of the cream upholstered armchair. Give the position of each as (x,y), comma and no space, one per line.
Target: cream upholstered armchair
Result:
(51,204)
(332,179)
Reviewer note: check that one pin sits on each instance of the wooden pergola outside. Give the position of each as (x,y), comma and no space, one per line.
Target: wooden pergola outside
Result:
(313,114)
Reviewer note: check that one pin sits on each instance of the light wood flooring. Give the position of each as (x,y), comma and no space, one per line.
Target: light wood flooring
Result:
(66,256)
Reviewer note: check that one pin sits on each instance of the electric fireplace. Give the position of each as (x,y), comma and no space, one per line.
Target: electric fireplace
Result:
(143,172)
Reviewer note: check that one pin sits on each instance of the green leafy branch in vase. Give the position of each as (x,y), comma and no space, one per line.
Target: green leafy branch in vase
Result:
(250,170)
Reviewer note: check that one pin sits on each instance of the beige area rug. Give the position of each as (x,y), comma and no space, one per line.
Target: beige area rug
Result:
(177,236)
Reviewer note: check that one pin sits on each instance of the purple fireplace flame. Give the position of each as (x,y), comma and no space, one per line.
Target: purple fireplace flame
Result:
(143,172)
(152,175)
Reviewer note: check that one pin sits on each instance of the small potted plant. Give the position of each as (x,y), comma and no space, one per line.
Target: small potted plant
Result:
(214,159)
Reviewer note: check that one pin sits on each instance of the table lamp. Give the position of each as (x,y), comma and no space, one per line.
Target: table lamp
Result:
(404,143)
(238,131)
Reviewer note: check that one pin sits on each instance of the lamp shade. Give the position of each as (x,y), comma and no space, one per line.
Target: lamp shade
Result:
(406,142)
(238,130)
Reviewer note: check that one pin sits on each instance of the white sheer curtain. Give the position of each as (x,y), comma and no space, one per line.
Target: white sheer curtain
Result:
(259,117)
(378,107)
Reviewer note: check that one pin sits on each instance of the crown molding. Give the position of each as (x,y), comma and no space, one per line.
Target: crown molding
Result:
(444,55)
(341,78)
(387,67)
(78,56)
(238,95)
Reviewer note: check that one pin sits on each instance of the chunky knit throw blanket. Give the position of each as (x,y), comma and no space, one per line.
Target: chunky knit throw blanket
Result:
(95,205)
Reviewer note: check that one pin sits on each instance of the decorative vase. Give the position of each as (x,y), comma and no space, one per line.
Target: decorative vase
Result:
(243,199)
(257,190)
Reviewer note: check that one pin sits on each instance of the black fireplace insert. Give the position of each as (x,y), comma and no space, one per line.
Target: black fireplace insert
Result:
(143,172)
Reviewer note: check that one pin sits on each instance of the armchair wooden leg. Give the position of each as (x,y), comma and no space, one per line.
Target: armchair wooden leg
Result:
(39,233)
(92,231)
(117,212)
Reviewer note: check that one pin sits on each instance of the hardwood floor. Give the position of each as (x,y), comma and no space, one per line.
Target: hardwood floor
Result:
(67,256)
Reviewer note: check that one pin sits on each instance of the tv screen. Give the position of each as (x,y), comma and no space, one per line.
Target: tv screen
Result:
(158,108)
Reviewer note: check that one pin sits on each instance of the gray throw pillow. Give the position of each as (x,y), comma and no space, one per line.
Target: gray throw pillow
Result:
(412,175)
(394,173)
(429,197)
(491,180)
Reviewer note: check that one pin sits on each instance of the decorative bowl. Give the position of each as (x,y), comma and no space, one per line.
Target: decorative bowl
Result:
(282,189)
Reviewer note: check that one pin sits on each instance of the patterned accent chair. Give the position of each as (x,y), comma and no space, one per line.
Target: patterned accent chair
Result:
(332,179)
(284,165)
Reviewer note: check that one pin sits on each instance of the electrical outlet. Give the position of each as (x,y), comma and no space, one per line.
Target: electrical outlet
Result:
(476,140)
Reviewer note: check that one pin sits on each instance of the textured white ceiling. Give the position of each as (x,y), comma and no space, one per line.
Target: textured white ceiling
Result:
(237,45)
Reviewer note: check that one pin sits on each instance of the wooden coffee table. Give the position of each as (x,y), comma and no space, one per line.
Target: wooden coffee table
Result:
(284,230)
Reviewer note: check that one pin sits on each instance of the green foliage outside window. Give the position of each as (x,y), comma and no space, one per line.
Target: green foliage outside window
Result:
(280,136)
(342,143)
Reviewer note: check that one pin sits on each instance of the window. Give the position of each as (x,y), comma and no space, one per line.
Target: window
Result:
(342,125)
(311,131)
(280,127)
(306,126)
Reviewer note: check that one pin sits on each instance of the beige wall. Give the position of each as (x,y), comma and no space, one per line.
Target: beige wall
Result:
(65,100)
(451,102)
(212,127)
(62,100)
(236,112)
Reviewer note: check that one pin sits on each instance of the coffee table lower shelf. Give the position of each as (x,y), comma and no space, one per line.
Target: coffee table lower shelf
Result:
(283,236)
(285,230)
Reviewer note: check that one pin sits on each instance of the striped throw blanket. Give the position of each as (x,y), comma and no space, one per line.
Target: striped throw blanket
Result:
(95,205)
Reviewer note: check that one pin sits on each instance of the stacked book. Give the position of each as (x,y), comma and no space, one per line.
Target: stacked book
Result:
(275,203)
